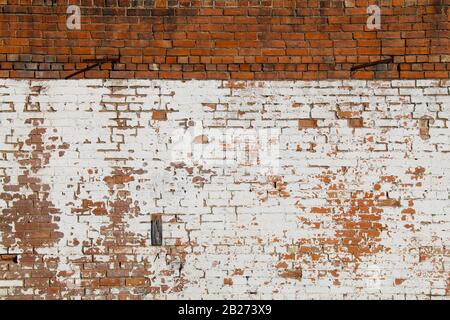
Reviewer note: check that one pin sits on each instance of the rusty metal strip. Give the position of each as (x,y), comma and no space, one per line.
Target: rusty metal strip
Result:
(371,64)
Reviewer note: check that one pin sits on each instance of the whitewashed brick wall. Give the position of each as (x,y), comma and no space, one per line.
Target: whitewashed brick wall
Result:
(342,190)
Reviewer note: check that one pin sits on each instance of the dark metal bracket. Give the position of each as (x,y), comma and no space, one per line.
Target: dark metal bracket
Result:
(371,64)
(96,63)
(156,230)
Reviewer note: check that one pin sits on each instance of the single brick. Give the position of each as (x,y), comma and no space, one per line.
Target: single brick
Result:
(356,123)
(160,115)
(307,123)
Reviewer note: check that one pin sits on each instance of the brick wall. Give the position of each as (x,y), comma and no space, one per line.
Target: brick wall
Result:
(283,189)
(235,186)
(229,39)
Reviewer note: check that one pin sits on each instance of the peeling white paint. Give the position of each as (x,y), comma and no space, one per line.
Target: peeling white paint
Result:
(230,220)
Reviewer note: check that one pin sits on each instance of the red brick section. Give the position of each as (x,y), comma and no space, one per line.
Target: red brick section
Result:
(255,39)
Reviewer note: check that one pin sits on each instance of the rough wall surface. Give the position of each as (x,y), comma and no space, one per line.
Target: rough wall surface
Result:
(316,189)
(225,39)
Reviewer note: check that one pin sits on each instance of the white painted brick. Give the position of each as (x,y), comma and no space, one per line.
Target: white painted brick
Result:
(231,219)
(11,283)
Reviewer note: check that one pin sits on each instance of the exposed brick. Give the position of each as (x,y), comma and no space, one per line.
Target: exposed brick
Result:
(159,115)
(307,123)
(111,282)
